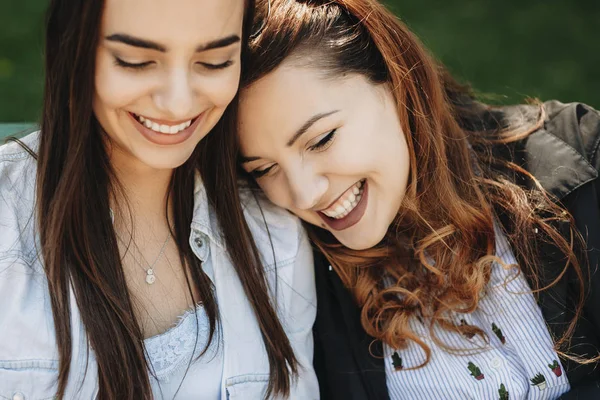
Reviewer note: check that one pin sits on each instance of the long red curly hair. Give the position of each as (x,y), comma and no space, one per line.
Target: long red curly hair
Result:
(439,251)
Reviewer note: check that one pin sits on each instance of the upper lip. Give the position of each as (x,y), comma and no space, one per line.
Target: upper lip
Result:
(167,122)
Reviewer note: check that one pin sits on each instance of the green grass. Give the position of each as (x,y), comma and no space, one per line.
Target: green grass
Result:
(21,46)
(509,50)
(514,48)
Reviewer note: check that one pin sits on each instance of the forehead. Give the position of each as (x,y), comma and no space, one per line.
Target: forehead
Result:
(285,98)
(174,22)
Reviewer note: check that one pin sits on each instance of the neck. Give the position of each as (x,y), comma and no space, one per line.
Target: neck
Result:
(143,199)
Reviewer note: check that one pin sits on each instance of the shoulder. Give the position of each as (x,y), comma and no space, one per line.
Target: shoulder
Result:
(568,143)
(17,198)
(16,160)
(562,152)
(14,151)
(574,124)
(23,284)
(278,234)
(577,124)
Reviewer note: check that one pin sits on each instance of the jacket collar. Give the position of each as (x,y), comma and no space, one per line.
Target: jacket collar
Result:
(555,154)
(559,167)
(204,219)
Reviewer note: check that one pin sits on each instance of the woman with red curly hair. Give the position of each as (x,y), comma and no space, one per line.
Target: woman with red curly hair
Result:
(457,241)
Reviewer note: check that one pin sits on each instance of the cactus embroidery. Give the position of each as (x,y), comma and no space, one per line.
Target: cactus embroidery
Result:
(397,361)
(475,371)
(539,380)
(502,392)
(498,333)
(555,367)
(468,335)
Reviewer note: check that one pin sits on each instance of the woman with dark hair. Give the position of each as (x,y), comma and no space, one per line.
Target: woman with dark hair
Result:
(130,266)
(458,242)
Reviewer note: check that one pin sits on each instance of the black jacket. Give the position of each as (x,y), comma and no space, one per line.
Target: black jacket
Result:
(563,156)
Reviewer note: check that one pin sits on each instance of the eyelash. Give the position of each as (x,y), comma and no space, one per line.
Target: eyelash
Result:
(319,146)
(325,142)
(124,64)
(143,65)
(260,173)
(217,66)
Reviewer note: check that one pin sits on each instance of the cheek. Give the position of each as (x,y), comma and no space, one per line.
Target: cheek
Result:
(385,152)
(353,154)
(221,88)
(116,87)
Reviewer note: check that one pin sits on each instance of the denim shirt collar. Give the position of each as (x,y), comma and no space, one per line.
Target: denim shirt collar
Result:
(205,226)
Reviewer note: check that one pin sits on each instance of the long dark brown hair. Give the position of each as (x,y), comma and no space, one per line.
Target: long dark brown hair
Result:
(78,243)
(439,251)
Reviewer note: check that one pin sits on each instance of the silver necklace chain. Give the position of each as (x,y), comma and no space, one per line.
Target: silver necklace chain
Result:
(150,276)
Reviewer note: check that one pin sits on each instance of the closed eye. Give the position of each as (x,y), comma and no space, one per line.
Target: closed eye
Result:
(324,142)
(258,173)
(125,64)
(217,66)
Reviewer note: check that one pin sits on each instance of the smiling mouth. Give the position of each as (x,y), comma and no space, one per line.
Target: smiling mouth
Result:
(169,129)
(346,203)
(348,209)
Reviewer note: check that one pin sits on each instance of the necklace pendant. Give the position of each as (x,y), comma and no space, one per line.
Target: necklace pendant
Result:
(150,278)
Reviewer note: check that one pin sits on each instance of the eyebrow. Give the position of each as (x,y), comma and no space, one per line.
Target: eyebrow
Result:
(307,125)
(148,44)
(244,160)
(296,136)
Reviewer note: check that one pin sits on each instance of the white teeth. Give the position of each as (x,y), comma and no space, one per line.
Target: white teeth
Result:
(344,207)
(163,128)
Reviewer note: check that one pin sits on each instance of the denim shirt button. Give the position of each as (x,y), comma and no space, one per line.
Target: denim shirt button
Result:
(199,242)
(18,396)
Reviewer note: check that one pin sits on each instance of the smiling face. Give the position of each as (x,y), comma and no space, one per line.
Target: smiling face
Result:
(329,150)
(164,75)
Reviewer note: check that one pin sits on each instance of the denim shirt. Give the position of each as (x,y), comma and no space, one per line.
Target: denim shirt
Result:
(28,351)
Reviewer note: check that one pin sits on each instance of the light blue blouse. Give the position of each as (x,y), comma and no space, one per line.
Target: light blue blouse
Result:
(178,370)
(519,361)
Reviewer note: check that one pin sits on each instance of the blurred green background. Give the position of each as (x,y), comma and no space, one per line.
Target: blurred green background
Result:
(509,49)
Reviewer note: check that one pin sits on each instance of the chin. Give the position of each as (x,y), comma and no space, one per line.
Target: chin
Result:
(163,160)
(358,241)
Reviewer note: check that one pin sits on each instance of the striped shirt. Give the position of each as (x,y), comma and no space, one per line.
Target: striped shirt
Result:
(518,362)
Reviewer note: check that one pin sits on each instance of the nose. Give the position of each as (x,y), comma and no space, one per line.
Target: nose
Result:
(306,187)
(175,97)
